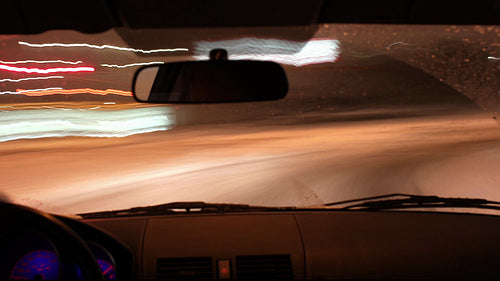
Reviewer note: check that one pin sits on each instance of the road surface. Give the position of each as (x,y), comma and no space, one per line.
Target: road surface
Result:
(252,163)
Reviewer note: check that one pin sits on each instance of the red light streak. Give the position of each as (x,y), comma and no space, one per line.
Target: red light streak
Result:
(73,92)
(47,70)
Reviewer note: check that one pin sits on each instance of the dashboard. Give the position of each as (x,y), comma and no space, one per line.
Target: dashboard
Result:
(305,244)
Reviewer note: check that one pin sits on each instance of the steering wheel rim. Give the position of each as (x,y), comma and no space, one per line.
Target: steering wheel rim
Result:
(69,246)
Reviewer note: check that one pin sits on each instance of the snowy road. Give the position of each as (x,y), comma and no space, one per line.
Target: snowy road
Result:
(256,163)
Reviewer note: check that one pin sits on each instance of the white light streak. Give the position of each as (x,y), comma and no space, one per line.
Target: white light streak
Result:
(493,58)
(54,91)
(132,64)
(31,78)
(26,91)
(41,61)
(43,123)
(46,71)
(398,43)
(280,51)
(101,47)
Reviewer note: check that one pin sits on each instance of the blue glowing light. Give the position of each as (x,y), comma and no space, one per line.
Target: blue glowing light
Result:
(40,264)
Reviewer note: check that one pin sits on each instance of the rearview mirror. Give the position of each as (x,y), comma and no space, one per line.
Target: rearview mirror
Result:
(213,81)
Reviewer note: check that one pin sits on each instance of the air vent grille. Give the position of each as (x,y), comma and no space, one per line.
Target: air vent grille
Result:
(193,268)
(264,267)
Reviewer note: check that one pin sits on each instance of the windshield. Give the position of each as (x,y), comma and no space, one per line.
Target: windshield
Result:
(371,110)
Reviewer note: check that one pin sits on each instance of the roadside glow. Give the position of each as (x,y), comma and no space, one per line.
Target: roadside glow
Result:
(281,51)
(132,64)
(53,91)
(31,78)
(47,70)
(41,61)
(101,47)
(45,122)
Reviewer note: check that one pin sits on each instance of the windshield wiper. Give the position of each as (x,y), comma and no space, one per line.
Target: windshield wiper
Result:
(393,201)
(375,203)
(181,207)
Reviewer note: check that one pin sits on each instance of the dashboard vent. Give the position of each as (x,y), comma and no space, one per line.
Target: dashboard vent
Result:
(195,268)
(264,267)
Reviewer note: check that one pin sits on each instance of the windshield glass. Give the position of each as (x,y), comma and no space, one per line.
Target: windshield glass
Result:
(371,110)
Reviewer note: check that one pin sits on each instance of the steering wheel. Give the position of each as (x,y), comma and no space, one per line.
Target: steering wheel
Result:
(70,248)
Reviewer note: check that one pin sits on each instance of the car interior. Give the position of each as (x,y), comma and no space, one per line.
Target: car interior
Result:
(393,235)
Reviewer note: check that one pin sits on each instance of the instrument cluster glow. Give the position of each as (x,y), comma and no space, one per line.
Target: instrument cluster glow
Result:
(44,265)
(36,265)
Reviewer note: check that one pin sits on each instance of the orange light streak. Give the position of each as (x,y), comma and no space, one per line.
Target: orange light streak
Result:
(73,92)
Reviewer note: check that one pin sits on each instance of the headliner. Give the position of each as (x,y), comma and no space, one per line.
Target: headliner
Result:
(93,16)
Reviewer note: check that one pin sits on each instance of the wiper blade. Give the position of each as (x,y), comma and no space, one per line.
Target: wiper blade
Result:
(393,201)
(181,207)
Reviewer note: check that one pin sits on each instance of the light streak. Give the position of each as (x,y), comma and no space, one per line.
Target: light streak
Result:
(132,64)
(281,51)
(47,70)
(49,107)
(41,61)
(30,91)
(101,47)
(31,78)
(58,108)
(365,55)
(493,58)
(398,43)
(8,92)
(37,90)
(54,91)
(43,123)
